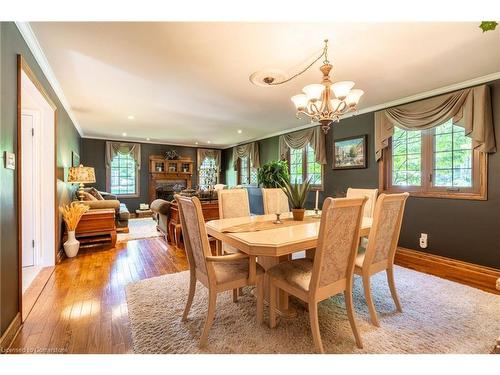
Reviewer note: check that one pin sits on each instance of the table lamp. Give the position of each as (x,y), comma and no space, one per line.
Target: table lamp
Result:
(81,175)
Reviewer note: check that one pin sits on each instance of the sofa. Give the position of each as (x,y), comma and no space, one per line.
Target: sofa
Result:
(110,201)
(161,213)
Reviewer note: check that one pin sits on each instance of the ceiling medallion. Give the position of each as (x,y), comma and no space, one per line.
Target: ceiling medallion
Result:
(323,102)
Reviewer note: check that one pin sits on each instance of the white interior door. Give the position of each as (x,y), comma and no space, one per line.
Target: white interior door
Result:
(29,188)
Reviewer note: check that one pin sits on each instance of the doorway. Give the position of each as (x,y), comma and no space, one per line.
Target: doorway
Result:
(36,187)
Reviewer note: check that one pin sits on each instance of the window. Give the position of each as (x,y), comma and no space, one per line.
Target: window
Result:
(123,175)
(207,176)
(302,166)
(246,174)
(439,162)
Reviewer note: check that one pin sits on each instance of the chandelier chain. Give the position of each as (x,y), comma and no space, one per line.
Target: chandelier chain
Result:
(324,53)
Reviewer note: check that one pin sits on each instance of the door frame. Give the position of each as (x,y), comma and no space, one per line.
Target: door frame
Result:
(22,66)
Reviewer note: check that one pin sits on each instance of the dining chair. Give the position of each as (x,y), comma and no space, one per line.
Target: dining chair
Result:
(274,201)
(233,203)
(217,273)
(381,247)
(371,194)
(331,270)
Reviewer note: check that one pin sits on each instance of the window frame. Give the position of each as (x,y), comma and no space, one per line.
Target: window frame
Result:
(249,171)
(314,187)
(137,193)
(479,188)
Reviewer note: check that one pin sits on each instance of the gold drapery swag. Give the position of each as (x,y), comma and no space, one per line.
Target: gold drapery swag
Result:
(469,108)
(300,139)
(249,150)
(123,148)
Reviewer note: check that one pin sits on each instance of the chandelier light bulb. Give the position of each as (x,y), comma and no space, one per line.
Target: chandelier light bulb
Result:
(300,101)
(341,89)
(314,91)
(353,97)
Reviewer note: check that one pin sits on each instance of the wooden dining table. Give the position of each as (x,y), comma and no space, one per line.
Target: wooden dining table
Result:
(272,243)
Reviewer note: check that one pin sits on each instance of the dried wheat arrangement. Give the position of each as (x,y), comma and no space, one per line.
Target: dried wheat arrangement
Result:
(72,213)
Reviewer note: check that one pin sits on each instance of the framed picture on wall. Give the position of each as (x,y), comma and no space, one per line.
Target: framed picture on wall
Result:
(75,159)
(349,153)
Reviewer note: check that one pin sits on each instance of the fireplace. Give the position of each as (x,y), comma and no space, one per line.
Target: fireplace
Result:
(165,189)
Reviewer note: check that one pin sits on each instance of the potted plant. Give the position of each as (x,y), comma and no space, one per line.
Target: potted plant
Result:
(272,174)
(297,196)
(72,213)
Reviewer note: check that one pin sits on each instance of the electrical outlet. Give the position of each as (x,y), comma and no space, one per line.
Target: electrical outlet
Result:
(423,240)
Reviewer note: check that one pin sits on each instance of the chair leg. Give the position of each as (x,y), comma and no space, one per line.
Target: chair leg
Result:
(392,287)
(369,300)
(235,295)
(352,320)
(313,318)
(260,301)
(273,291)
(212,300)
(192,289)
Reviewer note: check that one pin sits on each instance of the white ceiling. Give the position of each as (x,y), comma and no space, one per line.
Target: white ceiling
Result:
(189,82)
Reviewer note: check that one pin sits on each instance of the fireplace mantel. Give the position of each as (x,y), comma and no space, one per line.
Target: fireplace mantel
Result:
(162,170)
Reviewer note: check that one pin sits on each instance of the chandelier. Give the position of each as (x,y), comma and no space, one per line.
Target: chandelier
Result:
(323,102)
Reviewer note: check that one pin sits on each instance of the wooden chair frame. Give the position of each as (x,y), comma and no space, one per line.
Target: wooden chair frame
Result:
(209,280)
(317,293)
(368,267)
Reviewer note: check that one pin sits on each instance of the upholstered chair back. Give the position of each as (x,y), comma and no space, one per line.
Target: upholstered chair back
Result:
(195,234)
(274,201)
(337,241)
(371,194)
(233,203)
(386,226)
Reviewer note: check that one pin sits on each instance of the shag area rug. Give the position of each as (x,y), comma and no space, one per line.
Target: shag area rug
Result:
(439,316)
(138,229)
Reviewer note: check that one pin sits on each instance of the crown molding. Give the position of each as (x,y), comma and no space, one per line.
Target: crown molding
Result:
(37,51)
(164,143)
(408,99)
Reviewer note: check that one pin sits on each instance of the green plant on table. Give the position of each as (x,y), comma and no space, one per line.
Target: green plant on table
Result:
(272,174)
(296,193)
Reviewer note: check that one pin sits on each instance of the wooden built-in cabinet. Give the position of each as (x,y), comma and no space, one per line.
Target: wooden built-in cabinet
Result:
(161,169)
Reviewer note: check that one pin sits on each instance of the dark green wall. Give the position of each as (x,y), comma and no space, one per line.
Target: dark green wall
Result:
(457,229)
(68,139)
(93,151)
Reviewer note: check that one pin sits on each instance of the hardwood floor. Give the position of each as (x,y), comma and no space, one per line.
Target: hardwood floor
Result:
(83,308)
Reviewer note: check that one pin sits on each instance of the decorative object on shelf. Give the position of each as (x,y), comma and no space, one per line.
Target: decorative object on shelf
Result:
(323,102)
(144,206)
(171,155)
(349,153)
(272,174)
(72,213)
(297,195)
(81,175)
(188,193)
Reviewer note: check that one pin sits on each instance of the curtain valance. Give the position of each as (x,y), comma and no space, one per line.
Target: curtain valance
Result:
(114,148)
(250,150)
(301,139)
(204,153)
(469,108)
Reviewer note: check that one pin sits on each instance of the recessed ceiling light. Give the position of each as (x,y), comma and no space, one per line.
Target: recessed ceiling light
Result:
(124,134)
(240,131)
(131,117)
(209,142)
(195,143)
(148,139)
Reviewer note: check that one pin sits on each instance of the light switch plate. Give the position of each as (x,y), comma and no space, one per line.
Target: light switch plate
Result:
(10,160)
